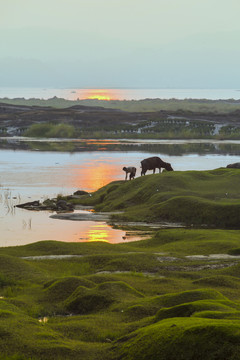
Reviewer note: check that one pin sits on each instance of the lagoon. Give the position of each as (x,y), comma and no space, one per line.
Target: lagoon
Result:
(36,175)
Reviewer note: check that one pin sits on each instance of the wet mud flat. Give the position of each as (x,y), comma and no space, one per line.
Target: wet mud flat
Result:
(82,214)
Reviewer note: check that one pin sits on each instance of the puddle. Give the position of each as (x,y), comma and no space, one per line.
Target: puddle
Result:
(213,257)
(199,267)
(51,257)
(131,272)
(167,259)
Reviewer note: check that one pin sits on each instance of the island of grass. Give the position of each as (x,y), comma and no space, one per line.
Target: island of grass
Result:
(193,198)
(172,296)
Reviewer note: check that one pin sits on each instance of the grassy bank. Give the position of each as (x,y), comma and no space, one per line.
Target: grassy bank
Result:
(146,299)
(200,198)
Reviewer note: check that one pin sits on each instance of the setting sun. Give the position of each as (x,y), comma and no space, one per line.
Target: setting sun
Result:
(100,94)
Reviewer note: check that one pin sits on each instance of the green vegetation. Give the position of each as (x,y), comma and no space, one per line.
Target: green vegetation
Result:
(200,198)
(154,128)
(139,300)
(117,131)
(172,296)
(48,130)
(145,105)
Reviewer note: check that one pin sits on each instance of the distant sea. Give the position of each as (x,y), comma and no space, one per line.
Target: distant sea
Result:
(119,94)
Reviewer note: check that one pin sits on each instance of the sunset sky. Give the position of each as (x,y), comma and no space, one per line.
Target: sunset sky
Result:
(120,43)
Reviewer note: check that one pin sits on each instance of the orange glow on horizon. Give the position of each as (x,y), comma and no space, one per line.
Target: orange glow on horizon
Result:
(100,94)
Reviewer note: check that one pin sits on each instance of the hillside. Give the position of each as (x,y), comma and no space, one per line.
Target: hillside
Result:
(173,295)
(199,198)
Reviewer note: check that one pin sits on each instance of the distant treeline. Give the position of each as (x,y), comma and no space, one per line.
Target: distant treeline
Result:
(146,105)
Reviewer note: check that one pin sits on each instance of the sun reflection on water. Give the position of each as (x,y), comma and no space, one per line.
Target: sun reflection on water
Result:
(99,232)
(92,176)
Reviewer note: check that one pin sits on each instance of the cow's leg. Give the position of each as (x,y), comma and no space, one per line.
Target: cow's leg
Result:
(154,170)
(160,170)
(126,176)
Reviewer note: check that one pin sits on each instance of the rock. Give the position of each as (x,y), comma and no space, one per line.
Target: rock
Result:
(64,205)
(80,192)
(29,205)
(60,205)
(234,166)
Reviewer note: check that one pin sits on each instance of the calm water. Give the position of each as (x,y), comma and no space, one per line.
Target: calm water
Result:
(36,175)
(120,94)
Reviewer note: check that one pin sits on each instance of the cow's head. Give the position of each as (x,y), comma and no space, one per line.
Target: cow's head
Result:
(168,167)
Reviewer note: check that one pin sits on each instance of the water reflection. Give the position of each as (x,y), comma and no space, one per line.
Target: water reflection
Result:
(103,232)
(165,147)
(29,226)
(95,172)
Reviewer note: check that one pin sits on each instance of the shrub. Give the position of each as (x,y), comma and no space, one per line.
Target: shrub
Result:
(51,131)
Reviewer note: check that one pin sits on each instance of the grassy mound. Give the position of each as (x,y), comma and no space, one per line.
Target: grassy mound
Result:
(219,280)
(60,289)
(192,197)
(195,241)
(12,269)
(85,300)
(189,296)
(177,303)
(231,315)
(188,309)
(182,338)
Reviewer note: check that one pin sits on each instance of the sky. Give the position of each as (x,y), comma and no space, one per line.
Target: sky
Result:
(120,43)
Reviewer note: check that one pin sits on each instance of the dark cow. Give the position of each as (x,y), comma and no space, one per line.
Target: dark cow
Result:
(234,166)
(154,162)
(131,170)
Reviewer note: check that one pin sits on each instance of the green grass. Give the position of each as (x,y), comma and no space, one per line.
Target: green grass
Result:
(48,130)
(101,314)
(201,198)
(182,338)
(148,299)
